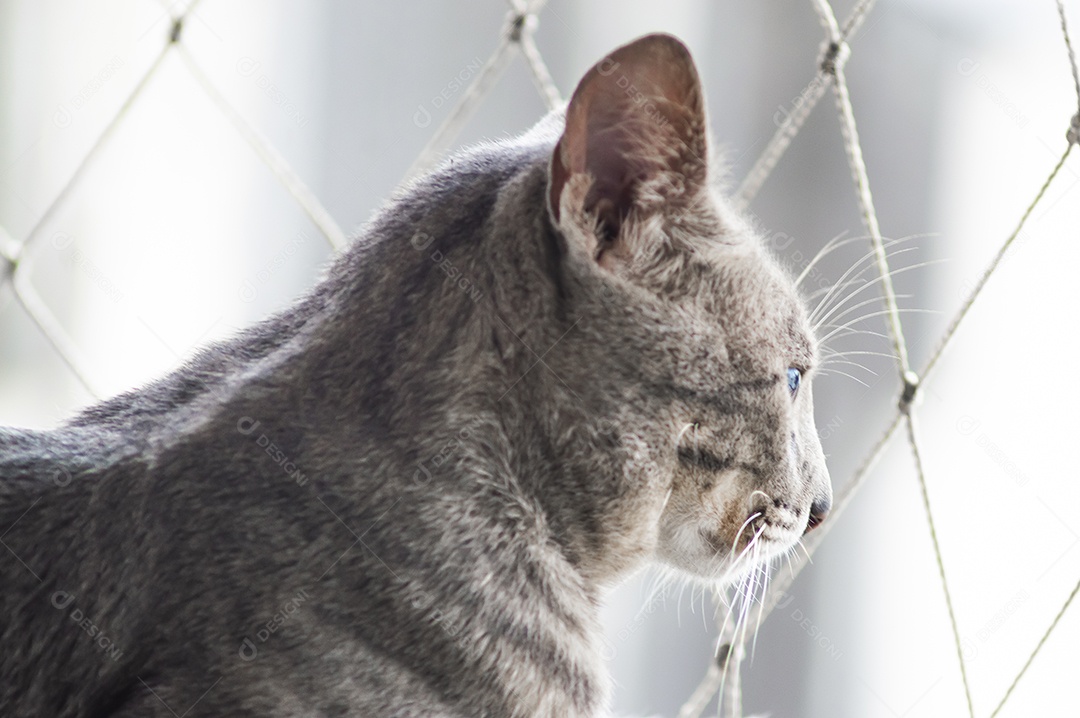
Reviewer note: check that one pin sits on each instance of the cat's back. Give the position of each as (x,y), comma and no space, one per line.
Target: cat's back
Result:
(91,510)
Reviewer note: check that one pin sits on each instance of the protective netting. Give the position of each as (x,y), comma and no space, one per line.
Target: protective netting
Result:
(835,53)
(517,40)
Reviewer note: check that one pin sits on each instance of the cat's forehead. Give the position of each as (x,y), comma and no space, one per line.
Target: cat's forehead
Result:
(756,302)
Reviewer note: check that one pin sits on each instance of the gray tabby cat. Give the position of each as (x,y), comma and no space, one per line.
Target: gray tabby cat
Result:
(548,363)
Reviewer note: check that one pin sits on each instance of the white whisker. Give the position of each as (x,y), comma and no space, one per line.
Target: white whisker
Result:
(764,593)
(799,543)
(870,283)
(827,372)
(871,315)
(828,248)
(845,362)
(860,305)
(759,491)
(844,283)
(667,498)
(746,523)
(848,332)
(829,355)
(848,277)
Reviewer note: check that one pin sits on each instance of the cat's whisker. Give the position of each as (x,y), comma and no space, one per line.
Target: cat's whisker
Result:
(800,544)
(667,498)
(722,597)
(872,282)
(751,592)
(835,244)
(883,312)
(848,309)
(661,579)
(871,315)
(672,578)
(729,596)
(837,356)
(752,546)
(830,362)
(748,602)
(841,284)
(846,280)
(720,643)
(759,491)
(831,354)
(828,248)
(848,331)
(734,566)
(867,258)
(847,276)
(735,541)
(854,378)
(817,294)
(678,603)
(682,432)
(733,643)
(822,322)
(832,287)
(760,611)
(855,307)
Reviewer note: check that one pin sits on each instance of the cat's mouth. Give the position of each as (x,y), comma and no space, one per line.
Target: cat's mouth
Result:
(756,544)
(752,531)
(766,532)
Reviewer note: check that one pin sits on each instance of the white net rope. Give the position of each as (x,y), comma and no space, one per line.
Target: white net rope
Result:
(517,40)
(723,674)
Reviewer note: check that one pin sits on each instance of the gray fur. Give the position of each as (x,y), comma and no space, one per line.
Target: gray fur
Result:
(405,495)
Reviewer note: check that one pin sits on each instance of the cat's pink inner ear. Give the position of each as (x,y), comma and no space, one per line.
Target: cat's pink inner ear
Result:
(637,115)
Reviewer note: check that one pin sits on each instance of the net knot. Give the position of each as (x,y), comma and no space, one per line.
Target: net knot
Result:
(1073,133)
(176,30)
(520,24)
(8,265)
(10,254)
(910,391)
(834,54)
(722,655)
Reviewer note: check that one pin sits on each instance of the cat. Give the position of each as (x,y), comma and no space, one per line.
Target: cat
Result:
(547,363)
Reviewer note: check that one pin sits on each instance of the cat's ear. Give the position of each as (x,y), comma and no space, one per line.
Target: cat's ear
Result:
(634,145)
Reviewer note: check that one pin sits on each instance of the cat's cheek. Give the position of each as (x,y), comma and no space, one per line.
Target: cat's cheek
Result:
(679,545)
(696,527)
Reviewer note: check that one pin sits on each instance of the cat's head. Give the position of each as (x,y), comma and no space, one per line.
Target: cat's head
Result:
(692,346)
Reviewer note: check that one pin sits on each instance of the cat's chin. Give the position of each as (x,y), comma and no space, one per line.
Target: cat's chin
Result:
(728,568)
(719,577)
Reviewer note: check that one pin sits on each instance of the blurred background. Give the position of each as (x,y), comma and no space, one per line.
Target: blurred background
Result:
(176,233)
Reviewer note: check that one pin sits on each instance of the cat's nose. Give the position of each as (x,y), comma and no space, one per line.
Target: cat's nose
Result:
(818,511)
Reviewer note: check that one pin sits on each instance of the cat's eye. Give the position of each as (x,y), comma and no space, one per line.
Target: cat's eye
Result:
(794,379)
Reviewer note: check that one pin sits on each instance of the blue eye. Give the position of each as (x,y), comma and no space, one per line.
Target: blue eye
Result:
(794,378)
